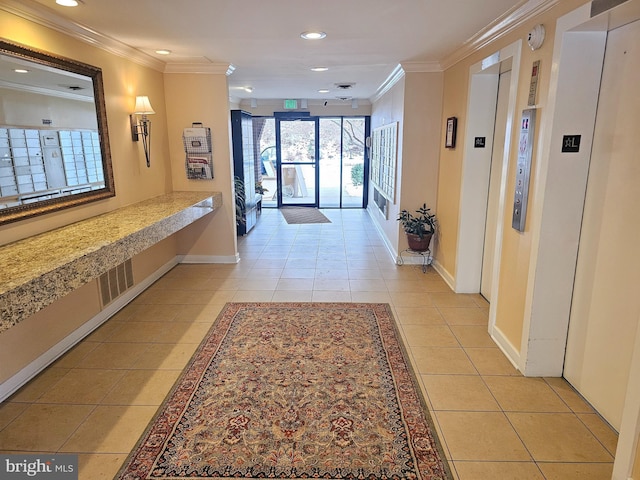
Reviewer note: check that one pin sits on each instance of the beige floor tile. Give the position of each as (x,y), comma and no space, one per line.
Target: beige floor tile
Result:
(110,429)
(134,331)
(104,331)
(113,355)
(602,430)
(393,271)
(166,356)
(498,471)
(459,392)
(298,273)
(82,386)
(441,361)
(259,284)
(364,273)
(481,436)
(142,387)
(405,285)
(429,336)
(473,336)
(183,283)
(330,296)
(295,284)
(577,471)
(43,428)
(154,313)
(367,285)
(99,466)
(200,313)
(408,299)
(450,299)
(74,357)
(569,395)
(522,394)
(491,361)
(222,296)
(332,273)
(418,316)
(558,437)
(331,284)
(306,263)
(39,385)
(265,263)
(464,316)
(182,332)
(9,411)
(259,272)
(292,296)
(252,296)
(435,284)
(371,297)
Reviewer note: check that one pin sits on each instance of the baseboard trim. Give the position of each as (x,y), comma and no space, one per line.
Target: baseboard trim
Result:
(12,384)
(444,273)
(506,346)
(209,258)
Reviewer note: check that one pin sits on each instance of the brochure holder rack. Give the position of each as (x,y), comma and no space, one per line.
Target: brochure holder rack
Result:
(199,152)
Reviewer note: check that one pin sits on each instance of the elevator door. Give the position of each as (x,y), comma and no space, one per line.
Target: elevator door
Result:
(491,225)
(606,297)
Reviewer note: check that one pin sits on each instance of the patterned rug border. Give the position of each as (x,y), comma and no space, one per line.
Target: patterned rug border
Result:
(376,307)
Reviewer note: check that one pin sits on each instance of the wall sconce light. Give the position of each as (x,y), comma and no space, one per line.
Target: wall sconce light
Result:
(142,128)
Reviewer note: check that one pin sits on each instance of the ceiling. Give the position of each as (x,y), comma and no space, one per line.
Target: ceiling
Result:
(366,39)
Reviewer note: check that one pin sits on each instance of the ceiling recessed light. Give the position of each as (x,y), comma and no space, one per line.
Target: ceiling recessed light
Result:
(163,51)
(319,69)
(324,90)
(68,3)
(248,89)
(313,35)
(21,70)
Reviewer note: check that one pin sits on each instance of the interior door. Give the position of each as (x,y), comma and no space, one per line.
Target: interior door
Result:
(297,156)
(606,296)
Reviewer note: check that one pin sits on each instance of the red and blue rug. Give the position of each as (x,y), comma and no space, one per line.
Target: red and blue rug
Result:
(294,390)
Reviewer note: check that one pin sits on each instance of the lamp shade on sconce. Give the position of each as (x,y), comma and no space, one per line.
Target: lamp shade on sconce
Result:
(141,130)
(143,106)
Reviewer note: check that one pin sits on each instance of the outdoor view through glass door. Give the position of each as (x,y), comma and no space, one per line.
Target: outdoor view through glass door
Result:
(297,161)
(329,175)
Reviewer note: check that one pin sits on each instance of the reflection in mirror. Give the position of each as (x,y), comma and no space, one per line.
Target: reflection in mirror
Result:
(54,146)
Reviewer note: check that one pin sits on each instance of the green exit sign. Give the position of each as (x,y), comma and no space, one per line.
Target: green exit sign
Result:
(291,104)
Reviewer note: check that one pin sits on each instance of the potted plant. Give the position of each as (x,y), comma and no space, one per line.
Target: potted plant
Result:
(419,227)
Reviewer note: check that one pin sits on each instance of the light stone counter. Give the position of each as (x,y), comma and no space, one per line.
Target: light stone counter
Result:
(38,270)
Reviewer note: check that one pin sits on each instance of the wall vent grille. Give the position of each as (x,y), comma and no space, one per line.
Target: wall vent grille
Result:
(115,282)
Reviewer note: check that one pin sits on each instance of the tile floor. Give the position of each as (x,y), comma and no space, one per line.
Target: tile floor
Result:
(494,423)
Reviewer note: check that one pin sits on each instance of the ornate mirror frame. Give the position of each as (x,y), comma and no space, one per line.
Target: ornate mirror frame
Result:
(20,212)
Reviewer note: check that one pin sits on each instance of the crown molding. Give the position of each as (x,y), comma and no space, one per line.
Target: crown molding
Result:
(206,68)
(505,24)
(394,77)
(36,13)
(421,67)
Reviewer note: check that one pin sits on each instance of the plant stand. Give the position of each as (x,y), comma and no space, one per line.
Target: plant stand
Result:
(424,254)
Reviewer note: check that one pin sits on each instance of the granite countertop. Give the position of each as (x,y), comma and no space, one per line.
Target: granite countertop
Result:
(36,271)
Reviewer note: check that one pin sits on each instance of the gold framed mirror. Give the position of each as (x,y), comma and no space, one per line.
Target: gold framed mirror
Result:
(54,141)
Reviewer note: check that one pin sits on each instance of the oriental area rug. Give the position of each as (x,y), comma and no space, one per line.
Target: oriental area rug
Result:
(294,390)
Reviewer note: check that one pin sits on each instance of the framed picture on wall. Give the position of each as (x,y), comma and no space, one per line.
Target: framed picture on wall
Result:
(450,139)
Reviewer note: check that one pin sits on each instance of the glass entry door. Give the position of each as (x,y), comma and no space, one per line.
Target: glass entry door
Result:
(297,155)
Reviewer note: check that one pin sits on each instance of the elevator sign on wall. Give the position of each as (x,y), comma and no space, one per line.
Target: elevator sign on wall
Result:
(523,169)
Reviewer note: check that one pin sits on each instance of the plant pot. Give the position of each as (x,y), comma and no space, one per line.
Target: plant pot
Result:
(418,244)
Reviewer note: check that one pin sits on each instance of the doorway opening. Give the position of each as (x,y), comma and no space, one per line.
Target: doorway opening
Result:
(312,161)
